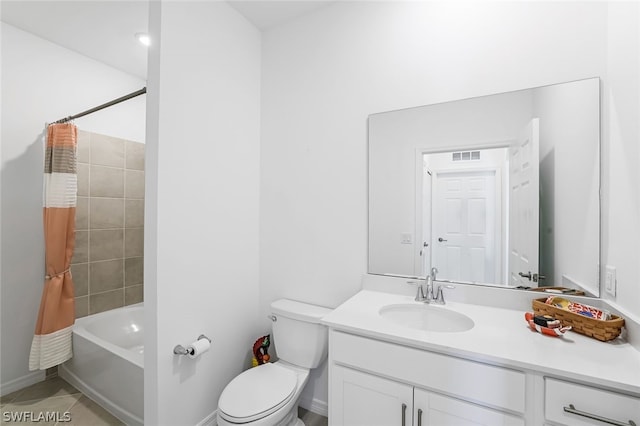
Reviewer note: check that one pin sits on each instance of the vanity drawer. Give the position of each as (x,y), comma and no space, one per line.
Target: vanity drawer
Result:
(588,401)
(480,383)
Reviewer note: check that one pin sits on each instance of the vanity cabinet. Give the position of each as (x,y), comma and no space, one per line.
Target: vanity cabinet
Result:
(368,400)
(433,409)
(363,399)
(375,382)
(379,383)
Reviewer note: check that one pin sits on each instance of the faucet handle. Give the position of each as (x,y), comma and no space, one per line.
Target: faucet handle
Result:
(420,291)
(439,299)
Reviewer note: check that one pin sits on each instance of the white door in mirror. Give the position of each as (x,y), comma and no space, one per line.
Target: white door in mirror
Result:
(524,206)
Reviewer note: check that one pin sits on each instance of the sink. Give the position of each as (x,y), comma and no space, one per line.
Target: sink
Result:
(427,317)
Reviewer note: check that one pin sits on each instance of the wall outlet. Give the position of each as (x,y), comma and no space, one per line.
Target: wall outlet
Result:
(610,280)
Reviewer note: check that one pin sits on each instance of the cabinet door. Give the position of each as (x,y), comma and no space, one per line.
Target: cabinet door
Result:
(360,399)
(431,409)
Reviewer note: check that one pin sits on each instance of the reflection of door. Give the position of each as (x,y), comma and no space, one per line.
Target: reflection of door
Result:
(425,244)
(524,170)
(466,237)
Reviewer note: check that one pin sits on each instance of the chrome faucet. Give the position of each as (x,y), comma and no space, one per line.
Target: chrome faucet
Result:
(434,271)
(439,299)
(424,292)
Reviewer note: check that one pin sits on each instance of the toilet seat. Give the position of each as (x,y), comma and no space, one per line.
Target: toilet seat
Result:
(256,393)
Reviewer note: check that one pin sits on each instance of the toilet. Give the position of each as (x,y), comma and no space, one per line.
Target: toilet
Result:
(268,395)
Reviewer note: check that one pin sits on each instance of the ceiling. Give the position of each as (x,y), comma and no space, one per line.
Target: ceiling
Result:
(105,30)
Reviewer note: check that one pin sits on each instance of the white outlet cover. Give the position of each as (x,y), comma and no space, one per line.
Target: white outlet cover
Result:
(610,280)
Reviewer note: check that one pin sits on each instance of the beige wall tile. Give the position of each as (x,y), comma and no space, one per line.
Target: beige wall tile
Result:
(106,244)
(106,182)
(80,274)
(133,271)
(134,242)
(134,213)
(83,151)
(134,184)
(133,294)
(105,301)
(82,213)
(51,372)
(82,306)
(134,155)
(107,275)
(106,213)
(107,151)
(81,250)
(83,180)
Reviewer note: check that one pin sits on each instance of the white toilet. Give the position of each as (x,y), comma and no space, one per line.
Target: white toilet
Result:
(267,395)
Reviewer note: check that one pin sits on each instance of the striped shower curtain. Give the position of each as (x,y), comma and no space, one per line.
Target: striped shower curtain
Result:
(52,341)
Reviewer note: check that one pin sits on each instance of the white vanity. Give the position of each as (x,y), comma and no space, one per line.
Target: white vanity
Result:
(386,370)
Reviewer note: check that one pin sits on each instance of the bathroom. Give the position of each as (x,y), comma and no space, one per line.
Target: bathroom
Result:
(256,157)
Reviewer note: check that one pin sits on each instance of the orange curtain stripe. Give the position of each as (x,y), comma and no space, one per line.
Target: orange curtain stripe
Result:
(51,343)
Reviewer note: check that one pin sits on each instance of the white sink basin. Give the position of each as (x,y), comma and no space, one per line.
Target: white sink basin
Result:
(427,317)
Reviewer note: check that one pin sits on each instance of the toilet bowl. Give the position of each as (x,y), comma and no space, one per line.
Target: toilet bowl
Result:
(268,395)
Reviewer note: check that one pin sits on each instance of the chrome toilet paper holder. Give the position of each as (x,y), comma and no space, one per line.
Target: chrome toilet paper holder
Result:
(181,350)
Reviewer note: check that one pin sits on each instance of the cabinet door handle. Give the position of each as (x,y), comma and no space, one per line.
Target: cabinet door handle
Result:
(571,409)
(404,414)
(419,416)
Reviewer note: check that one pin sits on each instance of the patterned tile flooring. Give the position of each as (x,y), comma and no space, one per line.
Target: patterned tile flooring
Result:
(55,397)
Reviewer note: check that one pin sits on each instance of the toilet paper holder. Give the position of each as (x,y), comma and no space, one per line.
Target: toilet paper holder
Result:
(181,350)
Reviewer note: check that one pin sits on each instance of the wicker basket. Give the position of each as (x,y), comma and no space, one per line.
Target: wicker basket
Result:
(598,329)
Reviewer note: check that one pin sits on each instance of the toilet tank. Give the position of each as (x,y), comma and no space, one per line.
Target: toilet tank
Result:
(298,336)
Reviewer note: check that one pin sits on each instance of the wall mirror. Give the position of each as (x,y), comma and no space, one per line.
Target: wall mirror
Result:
(495,190)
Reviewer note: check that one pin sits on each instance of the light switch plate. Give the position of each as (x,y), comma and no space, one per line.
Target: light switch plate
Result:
(610,280)
(406,238)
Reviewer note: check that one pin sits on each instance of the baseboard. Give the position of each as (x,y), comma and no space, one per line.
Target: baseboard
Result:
(22,382)
(315,405)
(210,420)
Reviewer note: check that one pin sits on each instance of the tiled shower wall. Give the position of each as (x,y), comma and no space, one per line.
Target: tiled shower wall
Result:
(108,258)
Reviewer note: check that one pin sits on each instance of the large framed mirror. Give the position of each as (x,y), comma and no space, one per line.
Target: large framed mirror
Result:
(499,190)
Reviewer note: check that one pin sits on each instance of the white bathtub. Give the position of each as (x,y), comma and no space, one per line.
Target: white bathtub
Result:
(108,361)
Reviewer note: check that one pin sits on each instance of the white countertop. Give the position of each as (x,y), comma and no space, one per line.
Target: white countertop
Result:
(500,337)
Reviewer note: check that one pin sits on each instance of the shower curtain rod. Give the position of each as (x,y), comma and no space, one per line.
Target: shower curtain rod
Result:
(103,106)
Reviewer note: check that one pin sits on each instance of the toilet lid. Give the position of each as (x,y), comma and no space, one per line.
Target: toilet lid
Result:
(257,392)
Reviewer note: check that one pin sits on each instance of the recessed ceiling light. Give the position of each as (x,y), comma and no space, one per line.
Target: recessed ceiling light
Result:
(143,38)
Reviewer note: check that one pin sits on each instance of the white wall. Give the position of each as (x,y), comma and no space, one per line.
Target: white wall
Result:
(42,82)
(202,205)
(621,153)
(326,72)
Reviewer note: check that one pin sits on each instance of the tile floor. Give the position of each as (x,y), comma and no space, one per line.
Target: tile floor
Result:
(54,395)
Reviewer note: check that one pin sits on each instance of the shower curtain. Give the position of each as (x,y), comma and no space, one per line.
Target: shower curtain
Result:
(51,343)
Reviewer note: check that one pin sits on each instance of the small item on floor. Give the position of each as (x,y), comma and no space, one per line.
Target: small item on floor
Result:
(261,351)
(552,328)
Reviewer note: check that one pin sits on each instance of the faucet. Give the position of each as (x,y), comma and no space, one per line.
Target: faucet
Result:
(434,271)
(424,292)
(439,299)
